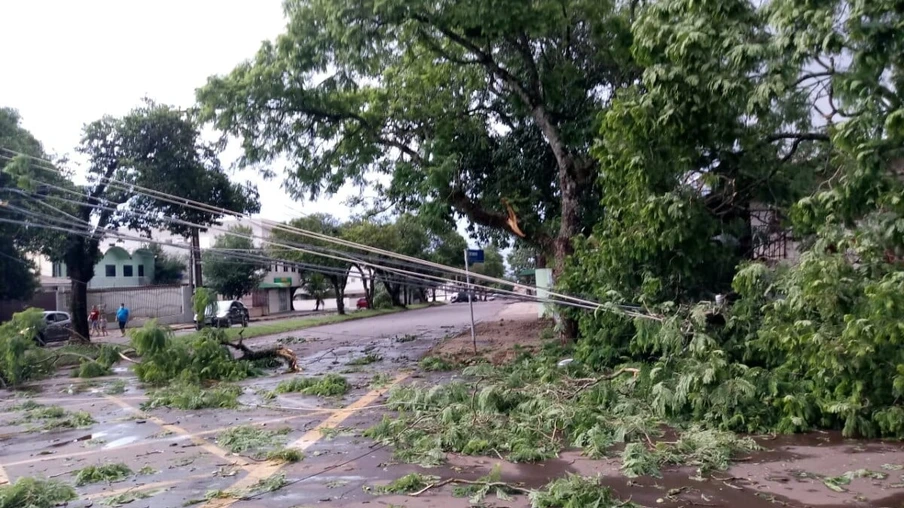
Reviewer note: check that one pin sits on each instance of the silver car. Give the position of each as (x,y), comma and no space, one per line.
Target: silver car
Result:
(57,327)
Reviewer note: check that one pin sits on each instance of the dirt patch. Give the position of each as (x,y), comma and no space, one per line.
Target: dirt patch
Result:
(498,341)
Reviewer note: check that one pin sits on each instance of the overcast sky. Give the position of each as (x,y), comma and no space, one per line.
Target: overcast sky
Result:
(66,63)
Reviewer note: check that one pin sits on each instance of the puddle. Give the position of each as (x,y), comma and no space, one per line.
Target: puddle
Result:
(120,442)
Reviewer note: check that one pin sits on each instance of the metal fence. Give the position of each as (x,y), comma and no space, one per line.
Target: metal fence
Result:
(142,301)
(40,300)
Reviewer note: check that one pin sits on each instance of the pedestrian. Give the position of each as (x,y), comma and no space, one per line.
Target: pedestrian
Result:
(122,315)
(92,320)
(103,324)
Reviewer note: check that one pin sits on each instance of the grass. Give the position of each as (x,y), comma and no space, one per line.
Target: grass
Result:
(286,455)
(270,484)
(191,396)
(251,440)
(128,497)
(575,491)
(91,369)
(435,363)
(380,380)
(55,417)
(291,325)
(106,473)
(331,385)
(35,493)
(116,387)
(407,484)
(367,359)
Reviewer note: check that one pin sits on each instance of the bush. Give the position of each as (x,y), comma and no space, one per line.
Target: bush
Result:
(165,359)
(191,396)
(331,385)
(21,359)
(35,493)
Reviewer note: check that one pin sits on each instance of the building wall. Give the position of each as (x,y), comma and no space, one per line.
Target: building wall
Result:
(117,268)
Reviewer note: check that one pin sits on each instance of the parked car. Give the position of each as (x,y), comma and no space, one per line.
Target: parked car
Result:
(57,327)
(225,314)
(463,297)
(362,303)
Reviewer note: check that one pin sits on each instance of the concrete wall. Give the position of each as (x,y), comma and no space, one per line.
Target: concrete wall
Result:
(168,304)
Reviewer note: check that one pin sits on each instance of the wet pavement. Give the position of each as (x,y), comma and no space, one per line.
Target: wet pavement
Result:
(183,462)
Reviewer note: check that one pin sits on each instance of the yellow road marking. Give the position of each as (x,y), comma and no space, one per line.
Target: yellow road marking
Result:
(147,486)
(193,437)
(139,444)
(263,470)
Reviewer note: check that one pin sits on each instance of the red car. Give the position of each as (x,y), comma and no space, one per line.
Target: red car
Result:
(362,303)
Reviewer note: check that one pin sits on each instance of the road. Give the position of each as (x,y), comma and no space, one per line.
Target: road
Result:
(430,322)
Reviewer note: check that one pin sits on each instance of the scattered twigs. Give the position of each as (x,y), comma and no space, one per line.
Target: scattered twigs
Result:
(490,485)
(595,381)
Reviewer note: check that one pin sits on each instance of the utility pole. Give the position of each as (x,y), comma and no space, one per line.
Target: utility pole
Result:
(470,301)
(196,258)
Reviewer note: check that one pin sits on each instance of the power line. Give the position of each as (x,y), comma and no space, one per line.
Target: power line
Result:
(166,197)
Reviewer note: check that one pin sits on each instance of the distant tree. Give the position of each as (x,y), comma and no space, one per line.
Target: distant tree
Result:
(492,266)
(231,275)
(334,271)
(522,257)
(168,268)
(316,286)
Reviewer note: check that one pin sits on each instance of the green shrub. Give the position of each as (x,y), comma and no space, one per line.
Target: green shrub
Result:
(35,493)
(191,396)
(106,473)
(251,439)
(575,491)
(331,385)
(21,359)
(165,358)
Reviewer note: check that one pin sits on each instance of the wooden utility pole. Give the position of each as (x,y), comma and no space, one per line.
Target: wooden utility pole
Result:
(196,258)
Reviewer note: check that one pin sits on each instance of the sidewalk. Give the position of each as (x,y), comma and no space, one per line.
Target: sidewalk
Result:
(271,317)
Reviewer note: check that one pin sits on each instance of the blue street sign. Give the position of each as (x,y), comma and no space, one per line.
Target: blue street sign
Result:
(475,256)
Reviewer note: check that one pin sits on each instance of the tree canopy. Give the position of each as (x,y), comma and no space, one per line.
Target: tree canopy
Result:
(154,146)
(233,274)
(17,273)
(469,108)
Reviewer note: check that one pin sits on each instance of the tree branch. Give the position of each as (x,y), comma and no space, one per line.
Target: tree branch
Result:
(803,136)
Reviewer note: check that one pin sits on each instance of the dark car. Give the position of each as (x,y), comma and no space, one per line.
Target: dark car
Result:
(362,303)
(57,327)
(463,297)
(225,314)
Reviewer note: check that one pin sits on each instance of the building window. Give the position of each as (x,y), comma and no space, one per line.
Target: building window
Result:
(110,270)
(127,271)
(141,270)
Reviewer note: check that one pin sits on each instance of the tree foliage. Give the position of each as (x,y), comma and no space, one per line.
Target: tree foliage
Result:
(229,270)
(168,268)
(466,106)
(152,146)
(17,273)
(799,110)
(311,253)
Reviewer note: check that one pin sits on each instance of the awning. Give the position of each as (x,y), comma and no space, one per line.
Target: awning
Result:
(273,285)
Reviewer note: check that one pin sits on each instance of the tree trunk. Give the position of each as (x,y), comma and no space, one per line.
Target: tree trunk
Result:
(339,290)
(196,258)
(394,291)
(78,303)
(568,229)
(434,295)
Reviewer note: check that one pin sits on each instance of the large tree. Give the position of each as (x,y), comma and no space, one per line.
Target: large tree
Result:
(482,109)
(231,265)
(162,149)
(17,273)
(152,146)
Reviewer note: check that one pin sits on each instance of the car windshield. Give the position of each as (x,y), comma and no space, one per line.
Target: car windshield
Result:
(223,308)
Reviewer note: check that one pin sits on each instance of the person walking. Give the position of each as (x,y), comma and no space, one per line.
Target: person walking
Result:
(103,324)
(93,316)
(122,316)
